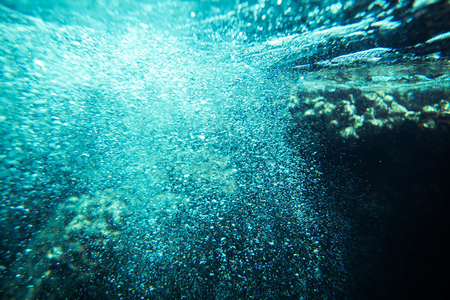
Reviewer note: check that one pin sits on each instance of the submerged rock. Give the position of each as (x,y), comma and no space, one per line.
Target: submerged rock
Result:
(76,248)
(366,100)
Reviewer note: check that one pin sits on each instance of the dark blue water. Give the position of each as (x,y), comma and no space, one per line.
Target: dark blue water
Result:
(224,149)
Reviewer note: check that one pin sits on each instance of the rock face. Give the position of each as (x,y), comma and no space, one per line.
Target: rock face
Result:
(74,248)
(366,100)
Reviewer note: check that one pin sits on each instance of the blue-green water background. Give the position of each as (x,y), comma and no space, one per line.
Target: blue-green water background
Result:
(174,112)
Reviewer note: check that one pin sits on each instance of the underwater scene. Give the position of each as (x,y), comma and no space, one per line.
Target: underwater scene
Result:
(261,149)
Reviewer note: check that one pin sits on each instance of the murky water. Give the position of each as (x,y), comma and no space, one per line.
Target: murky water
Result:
(168,149)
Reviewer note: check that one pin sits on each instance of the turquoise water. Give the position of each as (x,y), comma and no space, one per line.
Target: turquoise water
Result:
(161,149)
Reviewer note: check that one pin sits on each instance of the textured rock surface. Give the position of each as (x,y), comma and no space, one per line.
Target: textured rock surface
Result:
(76,246)
(366,100)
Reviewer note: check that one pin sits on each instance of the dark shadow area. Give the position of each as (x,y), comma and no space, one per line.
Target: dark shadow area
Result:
(400,221)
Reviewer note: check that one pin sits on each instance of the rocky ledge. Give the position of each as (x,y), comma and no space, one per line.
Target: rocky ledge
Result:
(371,99)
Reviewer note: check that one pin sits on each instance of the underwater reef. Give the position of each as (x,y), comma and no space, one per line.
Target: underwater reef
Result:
(361,101)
